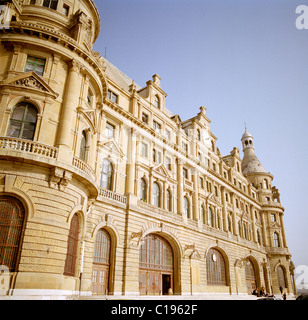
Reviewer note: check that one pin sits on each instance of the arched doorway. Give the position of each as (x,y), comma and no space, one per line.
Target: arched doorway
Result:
(156,266)
(281,277)
(101,263)
(250,274)
(12,215)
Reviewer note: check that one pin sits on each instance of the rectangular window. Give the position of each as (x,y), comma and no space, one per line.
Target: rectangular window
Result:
(36,65)
(144,149)
(168,134)
(112,96)
(157,126)
(52,4)
(185,146)
(156,156)
(110,130)
(185,173)
(65,10)
(168,163)
(201,182)
(145,118)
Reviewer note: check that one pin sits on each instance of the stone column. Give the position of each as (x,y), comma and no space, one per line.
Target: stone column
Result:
(70,103)
(180,188)
(131,161)
(224,210)
(195,208)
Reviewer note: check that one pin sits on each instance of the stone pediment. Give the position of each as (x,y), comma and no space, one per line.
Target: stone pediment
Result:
(113,148)
(161,170)
(90,116)
(30,81)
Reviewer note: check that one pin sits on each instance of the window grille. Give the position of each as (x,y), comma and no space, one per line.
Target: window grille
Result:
(102,247)
(216,269)
(72,245)
(11,223)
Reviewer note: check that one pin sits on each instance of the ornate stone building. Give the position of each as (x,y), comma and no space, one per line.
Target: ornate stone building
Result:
(103,190)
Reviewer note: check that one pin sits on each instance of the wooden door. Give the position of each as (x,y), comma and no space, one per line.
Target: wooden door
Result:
(100,275)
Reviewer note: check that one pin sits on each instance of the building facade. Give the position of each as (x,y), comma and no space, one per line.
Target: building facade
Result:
(103,190)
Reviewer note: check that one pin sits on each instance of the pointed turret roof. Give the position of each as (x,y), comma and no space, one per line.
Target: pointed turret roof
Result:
(250,162)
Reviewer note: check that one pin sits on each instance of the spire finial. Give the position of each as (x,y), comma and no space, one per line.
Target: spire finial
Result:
(245,126)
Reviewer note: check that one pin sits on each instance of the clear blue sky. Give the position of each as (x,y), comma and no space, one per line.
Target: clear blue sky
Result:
(242,60)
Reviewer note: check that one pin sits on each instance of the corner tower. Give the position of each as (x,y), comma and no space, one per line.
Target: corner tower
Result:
(274,237)
(52,87)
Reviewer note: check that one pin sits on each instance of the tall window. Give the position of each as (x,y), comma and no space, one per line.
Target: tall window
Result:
(168,199)
(203,215)
(276,240)
(72,245)
(106,175)
(210,217)
(11,223)
(36,65)
(156,194)
(102,247)
(110,131)
(216,269)
(157,102)
(52,4)
(23,121)
(186,207)
(281,277)
(83,146)
(143,190)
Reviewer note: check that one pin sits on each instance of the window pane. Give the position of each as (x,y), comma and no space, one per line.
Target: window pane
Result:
(14,129)
(31,114)
(28,131)
(18,113)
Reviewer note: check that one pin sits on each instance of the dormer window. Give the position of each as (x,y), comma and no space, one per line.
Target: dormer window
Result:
(52,4)
(157,102)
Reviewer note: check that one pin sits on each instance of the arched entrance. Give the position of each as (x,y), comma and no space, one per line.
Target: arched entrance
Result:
(250,274)
(101,263)
(12,216)
(281,277)
(155,266)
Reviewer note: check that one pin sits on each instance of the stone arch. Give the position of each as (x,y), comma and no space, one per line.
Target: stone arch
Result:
(256,266)
(177,253)
(225,256)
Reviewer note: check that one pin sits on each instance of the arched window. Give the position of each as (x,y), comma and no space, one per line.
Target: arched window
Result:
(12,216)
(101,262)
(203,215)
(229,223)
(157,102)
(276,240)
(102,247)
(72,246)
(198,135)
(106,175)
(186,207)
(143,190)
(210,217)
(23,121)
(156,194)
(83,146)
(281,277)
(216,268)
(168,200)
(259,237)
